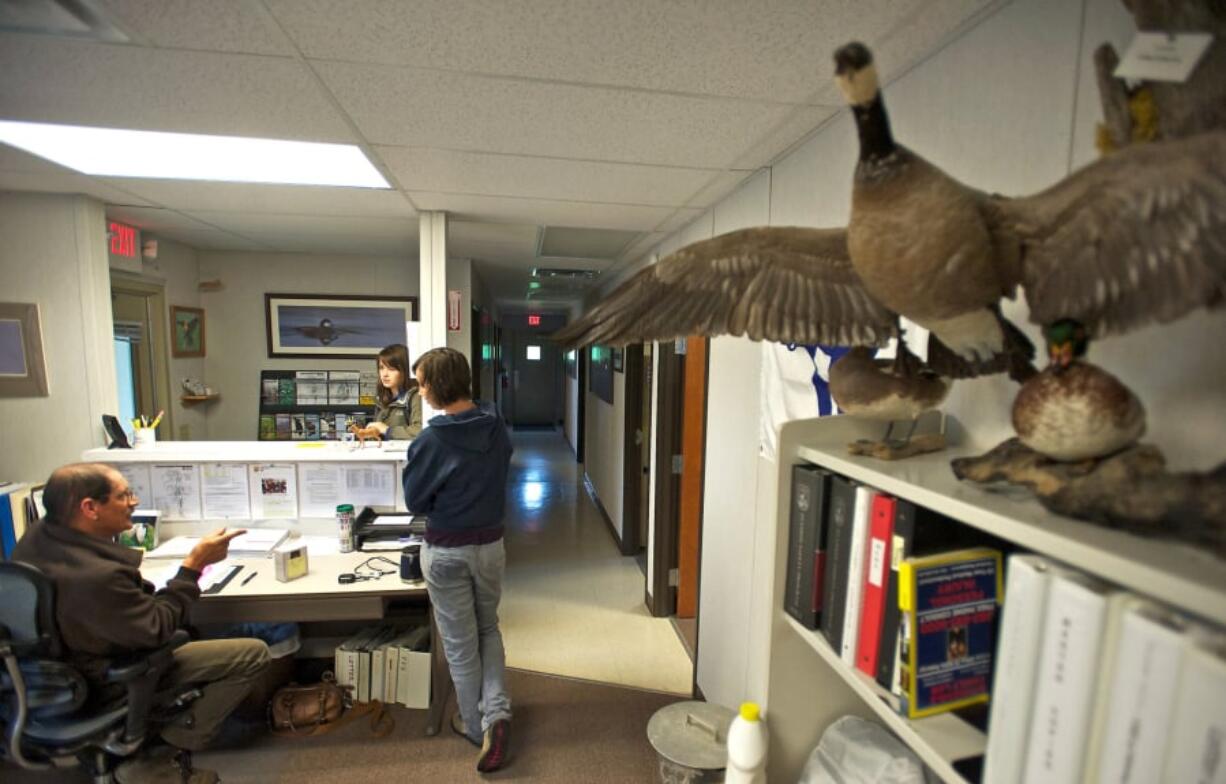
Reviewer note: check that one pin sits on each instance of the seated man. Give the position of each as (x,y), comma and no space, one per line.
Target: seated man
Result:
(104,609)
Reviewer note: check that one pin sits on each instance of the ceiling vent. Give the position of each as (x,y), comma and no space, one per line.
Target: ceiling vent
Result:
(73,18)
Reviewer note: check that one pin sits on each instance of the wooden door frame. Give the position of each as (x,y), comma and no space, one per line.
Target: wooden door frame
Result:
(670,377)
(632,462)
(693,451)
(158,323)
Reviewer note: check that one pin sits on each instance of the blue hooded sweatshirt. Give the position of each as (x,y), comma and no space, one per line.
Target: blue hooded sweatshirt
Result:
(457,477)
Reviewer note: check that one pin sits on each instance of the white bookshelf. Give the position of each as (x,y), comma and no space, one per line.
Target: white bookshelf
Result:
(938,740)
(809,685)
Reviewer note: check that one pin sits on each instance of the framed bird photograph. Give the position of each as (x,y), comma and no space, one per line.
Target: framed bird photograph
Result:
(335,326)
(187,325)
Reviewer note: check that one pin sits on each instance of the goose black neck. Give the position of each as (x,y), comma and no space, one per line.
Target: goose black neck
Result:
(873,125)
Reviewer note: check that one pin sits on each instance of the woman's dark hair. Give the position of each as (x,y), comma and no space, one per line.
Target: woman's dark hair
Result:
(396,356)
(445,371)
(69,485)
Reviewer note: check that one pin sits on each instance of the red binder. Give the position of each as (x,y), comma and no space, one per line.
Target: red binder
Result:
(876,577)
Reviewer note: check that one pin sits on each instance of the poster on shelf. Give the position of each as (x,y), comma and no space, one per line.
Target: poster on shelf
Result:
(274,491)
(175,491)
(223,491)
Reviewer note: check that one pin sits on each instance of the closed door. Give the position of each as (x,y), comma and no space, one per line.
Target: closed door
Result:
(535,368)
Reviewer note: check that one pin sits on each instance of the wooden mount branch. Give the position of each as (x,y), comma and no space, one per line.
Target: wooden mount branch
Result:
(1130,490)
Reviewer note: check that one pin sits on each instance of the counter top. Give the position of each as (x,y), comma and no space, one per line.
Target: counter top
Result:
(252,452)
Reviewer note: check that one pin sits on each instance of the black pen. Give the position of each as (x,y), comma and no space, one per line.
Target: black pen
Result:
(248,579)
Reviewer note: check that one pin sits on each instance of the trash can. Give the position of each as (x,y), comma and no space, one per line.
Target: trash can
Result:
(690,739)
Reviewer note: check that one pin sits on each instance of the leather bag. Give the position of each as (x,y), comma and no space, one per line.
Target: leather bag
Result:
(298,710)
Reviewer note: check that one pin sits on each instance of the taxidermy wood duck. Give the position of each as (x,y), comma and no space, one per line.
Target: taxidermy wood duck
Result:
(1134,238)
(1075,410)
(885,390)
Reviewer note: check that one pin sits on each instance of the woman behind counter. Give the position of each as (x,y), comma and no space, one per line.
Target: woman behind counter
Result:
(398,411)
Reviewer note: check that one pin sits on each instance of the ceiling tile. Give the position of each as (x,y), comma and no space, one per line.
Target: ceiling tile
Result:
(310,234)
(498,209)
(216,26)
(276,199)
(776,142)
(498,242)
(212,239)
(757,50)
(81,83)
(156,219)
(683,218)
(717,187)
(53,182)
(432,169)
(412,107)
(573,243)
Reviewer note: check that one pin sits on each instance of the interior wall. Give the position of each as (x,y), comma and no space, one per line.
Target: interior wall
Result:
(728,520)
(605,465)
(237,336)
(54,255)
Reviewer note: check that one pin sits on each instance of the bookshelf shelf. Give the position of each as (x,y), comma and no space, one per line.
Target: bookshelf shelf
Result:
(938,740)
(1168,571)
(809,686)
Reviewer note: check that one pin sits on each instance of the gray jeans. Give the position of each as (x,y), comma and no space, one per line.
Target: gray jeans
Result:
(465,585)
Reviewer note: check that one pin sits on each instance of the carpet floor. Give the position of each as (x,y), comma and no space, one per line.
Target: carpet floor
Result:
(563,730)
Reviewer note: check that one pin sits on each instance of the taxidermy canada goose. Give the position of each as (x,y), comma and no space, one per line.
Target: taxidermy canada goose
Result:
(885,390)
(1074,410)
(1134,238)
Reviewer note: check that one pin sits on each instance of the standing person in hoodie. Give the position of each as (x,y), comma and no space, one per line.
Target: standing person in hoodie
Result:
(457,477)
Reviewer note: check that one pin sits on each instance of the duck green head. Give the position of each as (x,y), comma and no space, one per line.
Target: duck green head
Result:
(1066,340)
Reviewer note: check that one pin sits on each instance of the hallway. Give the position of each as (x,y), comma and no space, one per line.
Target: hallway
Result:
(572,604)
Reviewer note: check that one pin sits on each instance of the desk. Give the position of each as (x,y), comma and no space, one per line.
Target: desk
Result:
(318,597)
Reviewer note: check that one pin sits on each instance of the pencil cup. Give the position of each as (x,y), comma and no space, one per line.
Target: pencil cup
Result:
(146,437)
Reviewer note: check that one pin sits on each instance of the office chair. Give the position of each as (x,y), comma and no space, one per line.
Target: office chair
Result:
(43,701)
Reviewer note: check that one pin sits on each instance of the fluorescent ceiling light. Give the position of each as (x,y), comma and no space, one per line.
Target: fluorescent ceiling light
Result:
(111,152)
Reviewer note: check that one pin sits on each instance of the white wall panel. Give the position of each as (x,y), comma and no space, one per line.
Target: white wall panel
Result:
(54,255)
(728,514)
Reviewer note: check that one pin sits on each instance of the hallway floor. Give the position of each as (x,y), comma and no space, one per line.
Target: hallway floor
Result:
(572,604)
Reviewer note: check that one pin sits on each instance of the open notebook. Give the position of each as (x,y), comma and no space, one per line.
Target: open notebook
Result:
(256,542)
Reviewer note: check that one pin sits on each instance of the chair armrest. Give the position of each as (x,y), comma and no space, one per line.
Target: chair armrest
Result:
(130,666)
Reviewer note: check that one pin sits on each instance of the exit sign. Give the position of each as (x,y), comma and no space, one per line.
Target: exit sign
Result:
(534,321)
(123,240)
(123,244)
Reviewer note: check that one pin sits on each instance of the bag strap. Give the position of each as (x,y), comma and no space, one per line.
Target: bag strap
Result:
(381,722)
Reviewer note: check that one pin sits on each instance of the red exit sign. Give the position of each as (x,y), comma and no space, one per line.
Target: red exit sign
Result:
(123,240)
(534,321)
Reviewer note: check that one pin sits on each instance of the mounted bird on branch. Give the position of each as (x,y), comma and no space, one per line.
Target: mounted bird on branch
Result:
(1135,238)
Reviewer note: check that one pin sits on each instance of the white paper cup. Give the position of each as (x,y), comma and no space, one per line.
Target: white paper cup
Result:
(146,437)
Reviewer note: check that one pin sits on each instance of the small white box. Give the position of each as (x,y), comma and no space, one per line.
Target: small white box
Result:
(290,564)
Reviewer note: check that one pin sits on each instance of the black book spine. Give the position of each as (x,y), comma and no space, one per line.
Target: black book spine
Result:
(804,524)
(900,548)
(838,559)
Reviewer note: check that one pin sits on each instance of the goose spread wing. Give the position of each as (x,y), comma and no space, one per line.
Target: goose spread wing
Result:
(1134,238)
(785,284)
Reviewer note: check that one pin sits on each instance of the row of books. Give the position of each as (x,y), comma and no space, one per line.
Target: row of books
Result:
(1087,682)
(906,596)
(318,387)
(21,503)
(388,664)
(1095,684)
(317,426)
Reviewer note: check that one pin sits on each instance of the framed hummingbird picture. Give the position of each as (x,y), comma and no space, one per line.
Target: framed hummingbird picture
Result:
(335,326)
(187,328)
